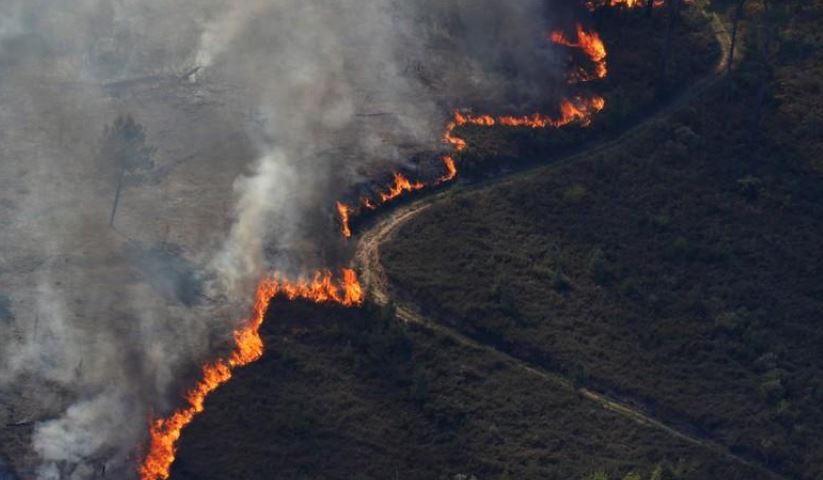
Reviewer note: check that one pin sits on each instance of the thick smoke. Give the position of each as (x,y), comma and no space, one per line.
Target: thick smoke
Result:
(343,94)
(263,112)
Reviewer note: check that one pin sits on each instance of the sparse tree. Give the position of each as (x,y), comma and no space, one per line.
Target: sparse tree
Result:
(738,13)
(770,19)
(124,144)
(674,10)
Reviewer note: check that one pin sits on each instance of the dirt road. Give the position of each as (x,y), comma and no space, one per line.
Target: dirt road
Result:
(367,259)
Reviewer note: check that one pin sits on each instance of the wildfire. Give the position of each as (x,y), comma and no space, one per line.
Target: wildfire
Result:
(248,347)
(592,45)
(368,204)
(451,170)
(448,137)
(323,288)
(592,5)
(401,184)
(343,213)
(578,109)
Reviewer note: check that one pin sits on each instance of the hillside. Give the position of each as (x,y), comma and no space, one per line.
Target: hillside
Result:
(680,272)
(358,394)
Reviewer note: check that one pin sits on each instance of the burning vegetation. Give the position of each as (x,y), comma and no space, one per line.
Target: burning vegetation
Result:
(322,288)
(592,45)
(343,212)
(578,110)
(401,184)
(594,4)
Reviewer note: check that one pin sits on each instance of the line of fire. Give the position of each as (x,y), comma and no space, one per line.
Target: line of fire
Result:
(344,289)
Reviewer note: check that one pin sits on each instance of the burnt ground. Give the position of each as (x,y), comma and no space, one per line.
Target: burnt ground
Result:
(173,221)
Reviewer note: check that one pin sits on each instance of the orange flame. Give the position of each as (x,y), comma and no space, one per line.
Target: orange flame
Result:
(451,170)
(458,143)
(578,110)
(248,347)
(368,204)
(592,45)
(592,5)
(401,184)
(343,213)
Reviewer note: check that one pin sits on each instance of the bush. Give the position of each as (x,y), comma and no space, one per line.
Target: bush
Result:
(504,298)
(560,282)
(681,248)
(772,391)
(686,136)
(750,187)
(661,222)
(419,390)
(734,321)
(574,194)
(578,375)
(811,127)
(599,475)
(599,267)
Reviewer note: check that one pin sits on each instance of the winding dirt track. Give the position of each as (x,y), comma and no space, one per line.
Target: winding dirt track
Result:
(367,259)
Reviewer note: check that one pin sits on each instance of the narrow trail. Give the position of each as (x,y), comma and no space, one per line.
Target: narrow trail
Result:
(375,280)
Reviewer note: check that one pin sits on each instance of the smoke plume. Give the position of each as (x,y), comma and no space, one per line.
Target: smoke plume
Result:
(263,113)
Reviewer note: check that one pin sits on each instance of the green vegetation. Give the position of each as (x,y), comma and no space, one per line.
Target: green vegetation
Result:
(353,394)
(680,271)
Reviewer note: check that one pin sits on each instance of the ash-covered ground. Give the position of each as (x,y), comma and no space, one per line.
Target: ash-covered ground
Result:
(257,116)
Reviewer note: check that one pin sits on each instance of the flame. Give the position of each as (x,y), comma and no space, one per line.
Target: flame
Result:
(578,110)
(592,45)
(248,347)
(451,170)
(592,5)
(368,204)
(343,213)
(401,184)
(164,433)
(458,143)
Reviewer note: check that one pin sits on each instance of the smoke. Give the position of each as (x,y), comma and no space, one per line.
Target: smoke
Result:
(295,104)
(346,94)
(259,203)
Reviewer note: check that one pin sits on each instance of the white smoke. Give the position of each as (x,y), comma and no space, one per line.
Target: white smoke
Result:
(325,95)
(261,197)
(74,439)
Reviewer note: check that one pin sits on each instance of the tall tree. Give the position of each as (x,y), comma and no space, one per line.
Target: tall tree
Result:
(124,144)
(738,13)
(674,10)
(770,19)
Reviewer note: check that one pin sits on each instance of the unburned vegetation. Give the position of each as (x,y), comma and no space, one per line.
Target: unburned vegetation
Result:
(680,271)
(353,394)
